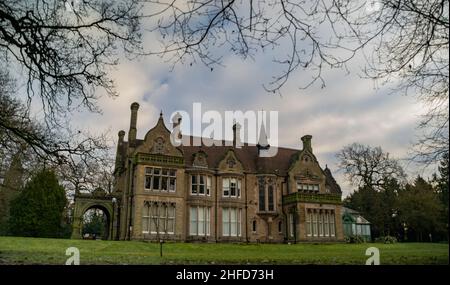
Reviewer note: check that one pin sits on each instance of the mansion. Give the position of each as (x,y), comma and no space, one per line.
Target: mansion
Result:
(220,193)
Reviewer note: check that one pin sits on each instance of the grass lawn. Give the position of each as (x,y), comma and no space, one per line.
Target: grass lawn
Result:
(19,250)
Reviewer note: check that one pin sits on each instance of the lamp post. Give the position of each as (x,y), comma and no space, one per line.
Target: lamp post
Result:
(405,230)
(161,247)
(114,201)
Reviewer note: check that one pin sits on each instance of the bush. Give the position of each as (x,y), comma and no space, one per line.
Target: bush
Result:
(38,209)
(354,239)
(386,239)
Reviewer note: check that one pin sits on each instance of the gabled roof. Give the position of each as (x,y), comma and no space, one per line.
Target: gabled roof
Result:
(247,154)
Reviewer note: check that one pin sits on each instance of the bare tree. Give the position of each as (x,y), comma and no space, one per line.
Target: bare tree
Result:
(405,43)
(369,166)
(65,53)
(65,50)
(87,175)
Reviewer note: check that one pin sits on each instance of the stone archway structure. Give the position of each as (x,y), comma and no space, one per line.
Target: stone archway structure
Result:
(98,199)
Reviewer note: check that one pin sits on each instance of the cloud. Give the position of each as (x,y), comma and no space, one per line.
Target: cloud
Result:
(348,110)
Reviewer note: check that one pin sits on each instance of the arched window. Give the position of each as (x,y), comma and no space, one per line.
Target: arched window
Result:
(262,195)
(270,198)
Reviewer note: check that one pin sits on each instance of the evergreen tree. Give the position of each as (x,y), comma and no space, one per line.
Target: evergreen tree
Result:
(367,202)
(38,209)
(420,209)
(9,189)
(95,221)
(442,190)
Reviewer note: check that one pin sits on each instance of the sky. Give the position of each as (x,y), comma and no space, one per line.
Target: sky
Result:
(349,109)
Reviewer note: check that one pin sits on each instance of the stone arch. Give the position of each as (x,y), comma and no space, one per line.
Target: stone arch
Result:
(85,202)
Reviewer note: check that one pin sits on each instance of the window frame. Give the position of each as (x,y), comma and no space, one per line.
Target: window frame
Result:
(227,187)
(158,215)
(207,184)
(307,187)
(150,178)
(227,220)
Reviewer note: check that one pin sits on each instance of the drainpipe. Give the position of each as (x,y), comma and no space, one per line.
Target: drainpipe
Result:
(130,221)
(295,223)
(126,201)
(287,223)
(215,209)
(246,209)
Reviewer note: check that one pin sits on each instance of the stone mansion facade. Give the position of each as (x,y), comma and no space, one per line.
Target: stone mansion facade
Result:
(221,193)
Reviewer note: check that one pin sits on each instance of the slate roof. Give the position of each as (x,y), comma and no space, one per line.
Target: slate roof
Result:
(248,156)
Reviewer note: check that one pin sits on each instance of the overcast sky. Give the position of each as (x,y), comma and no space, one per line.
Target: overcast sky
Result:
(349,109)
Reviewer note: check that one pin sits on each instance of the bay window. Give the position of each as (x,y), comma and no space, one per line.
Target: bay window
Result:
(231,222)
(201,185)
(160,179)
(231,187)
(158,218)
(200,221)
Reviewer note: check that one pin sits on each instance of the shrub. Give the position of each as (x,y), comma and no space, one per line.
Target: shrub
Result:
(354,239)
(386,239)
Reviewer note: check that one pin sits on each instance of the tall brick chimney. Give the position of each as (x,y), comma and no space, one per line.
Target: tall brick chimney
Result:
(237,135)
(307,143)
(133,130)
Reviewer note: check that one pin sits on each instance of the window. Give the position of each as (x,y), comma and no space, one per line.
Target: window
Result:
(208,185)
(262,197)
(254,226)
(231,187)
(158,218)
(280,226)
(266,195)
(160,179)
(226,187)
(200,221)
(146,220)
(332,228)
(270,197)
(320,223)
(308,223)
(306,187)
(320,217)
(291,224)
(200,185)
(231,222)
(170,220)
(315,227)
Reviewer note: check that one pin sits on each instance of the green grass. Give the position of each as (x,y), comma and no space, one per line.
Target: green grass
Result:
(19,250)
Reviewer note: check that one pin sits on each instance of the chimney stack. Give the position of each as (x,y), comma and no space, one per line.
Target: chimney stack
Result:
(121,136)
(237,135)
(307,143)
(132,133)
